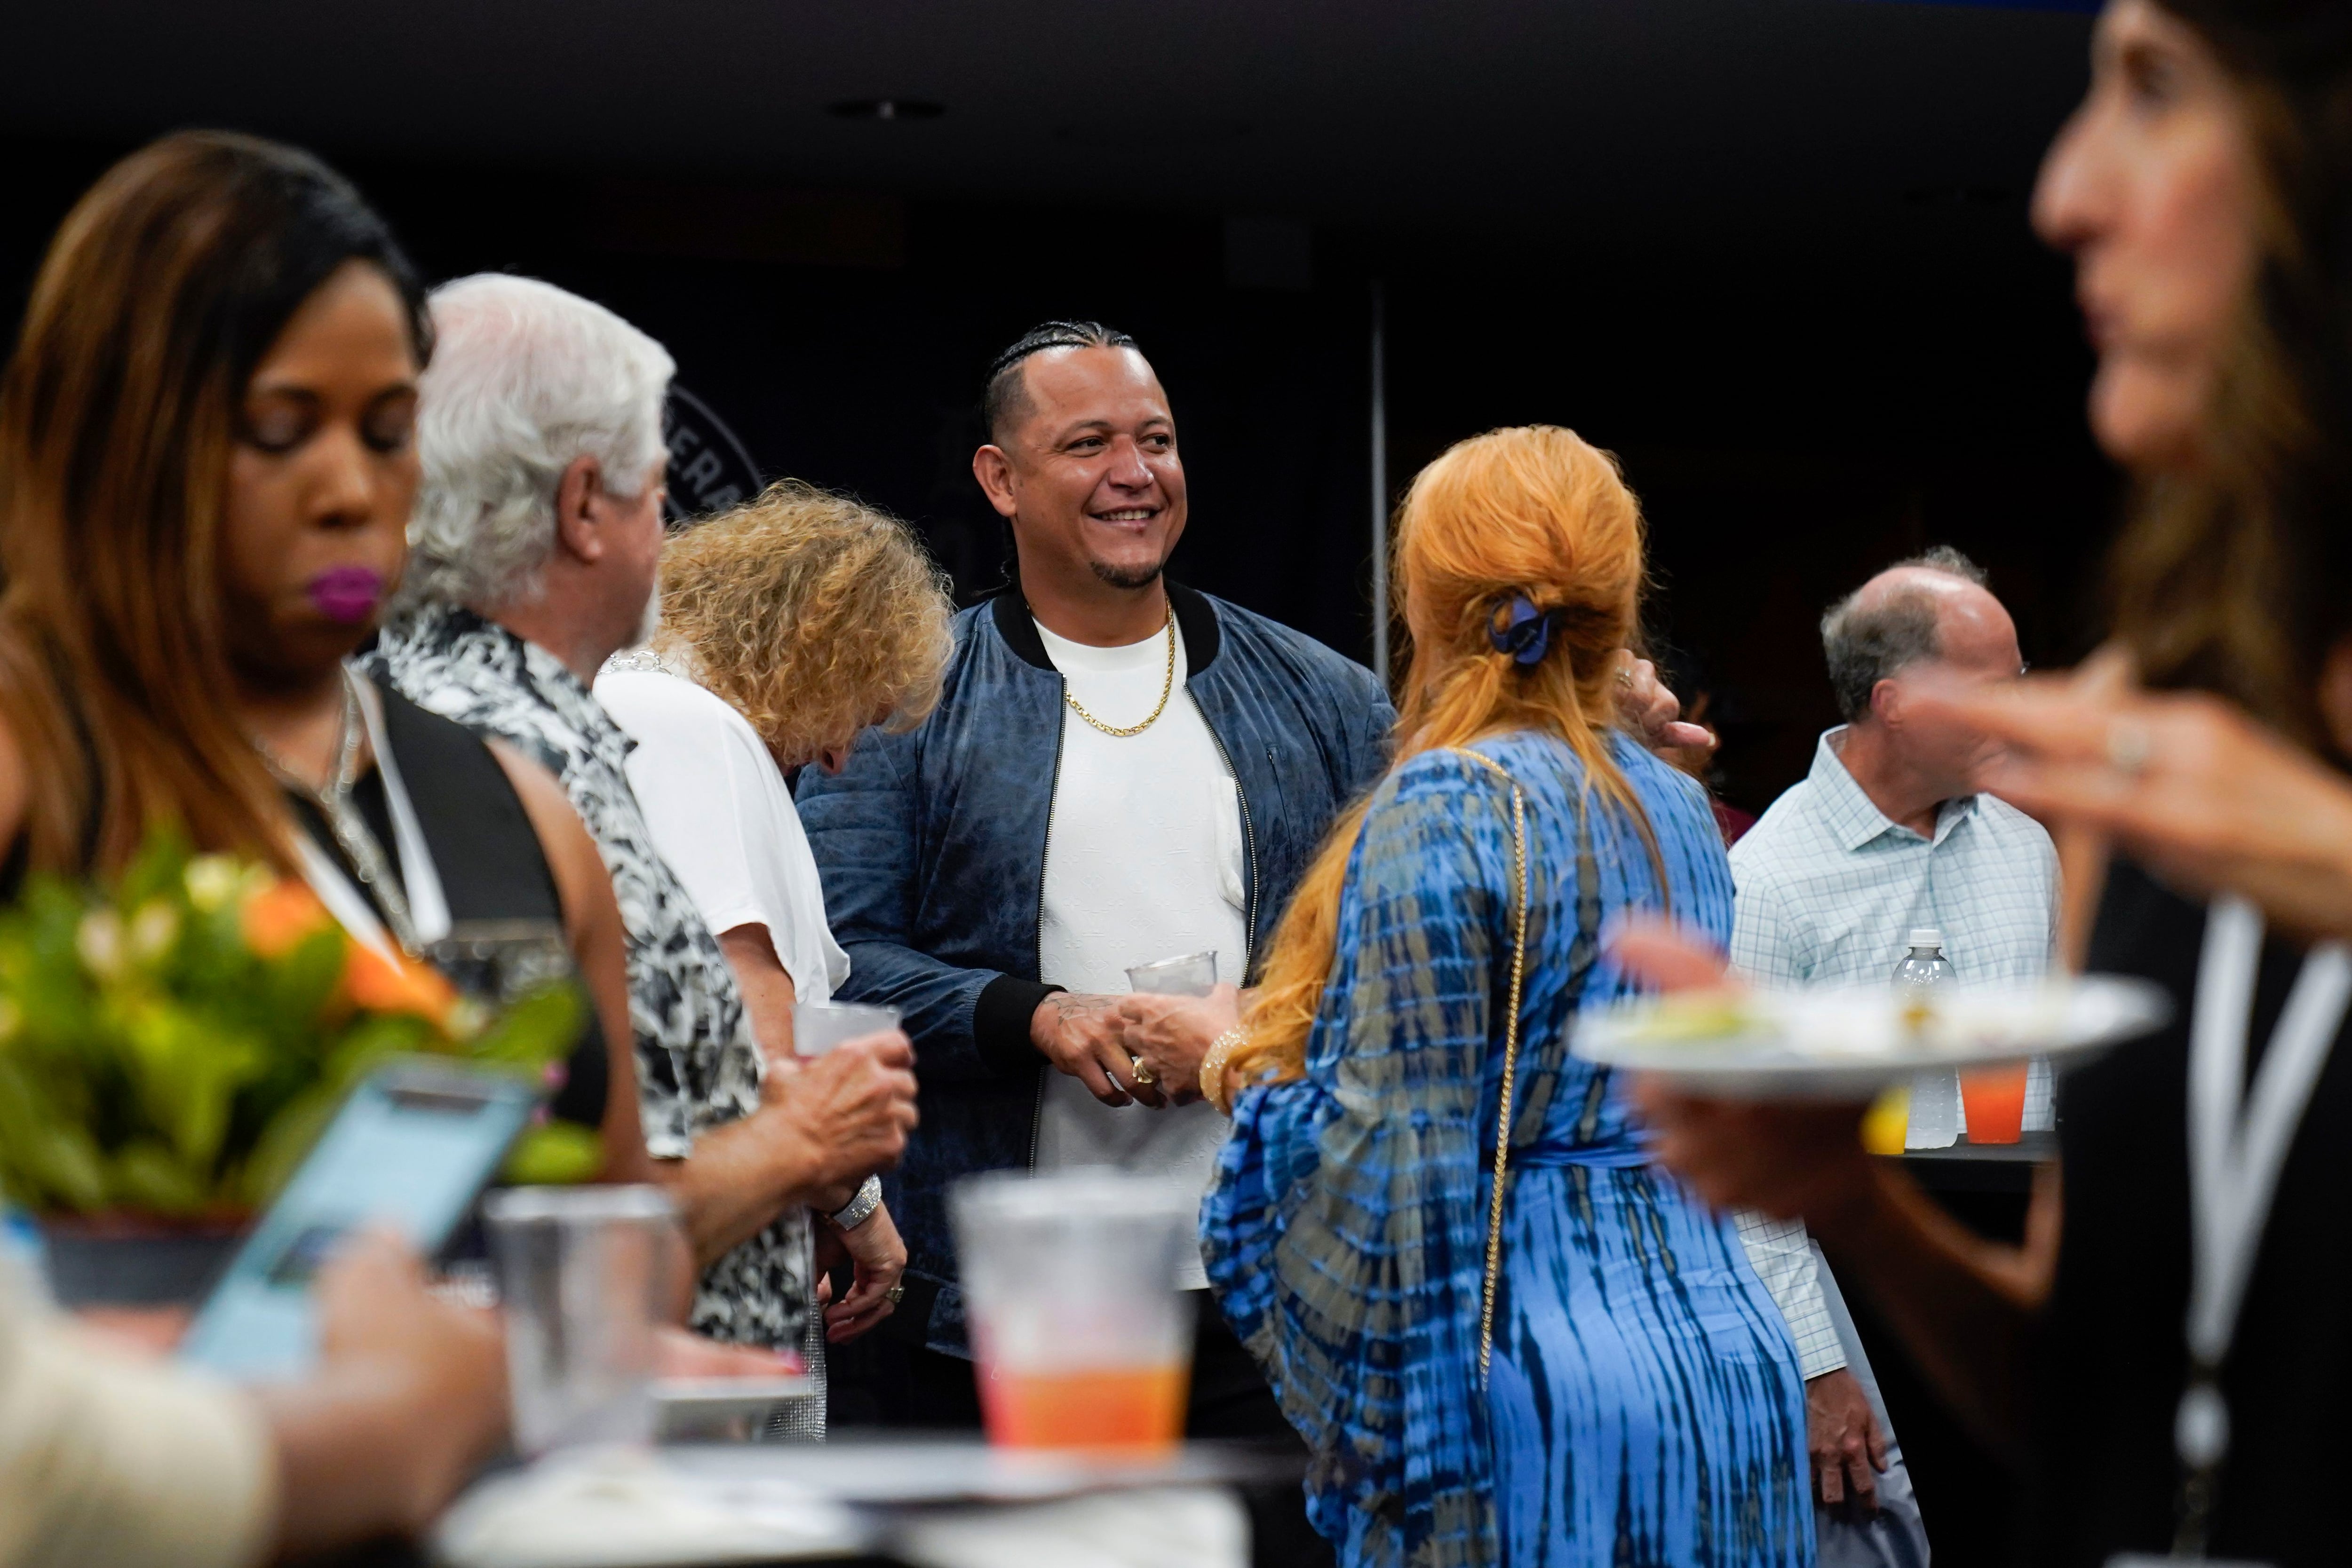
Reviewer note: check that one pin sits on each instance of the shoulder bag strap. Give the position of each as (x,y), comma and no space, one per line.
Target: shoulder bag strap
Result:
(1510,1058)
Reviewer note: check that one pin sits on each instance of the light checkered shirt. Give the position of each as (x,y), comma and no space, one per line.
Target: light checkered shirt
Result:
(1827,888)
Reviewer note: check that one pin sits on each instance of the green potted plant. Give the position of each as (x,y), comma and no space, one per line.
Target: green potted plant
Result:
(172,1042)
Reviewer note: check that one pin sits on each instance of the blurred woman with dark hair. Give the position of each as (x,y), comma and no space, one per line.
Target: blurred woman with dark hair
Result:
(207,472)
(205,476)
(2205,191)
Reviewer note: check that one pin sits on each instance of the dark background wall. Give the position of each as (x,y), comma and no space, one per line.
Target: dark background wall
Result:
(1793,416)
(1775,256)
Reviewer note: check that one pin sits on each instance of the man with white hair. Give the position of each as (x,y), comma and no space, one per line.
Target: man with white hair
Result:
(537,544)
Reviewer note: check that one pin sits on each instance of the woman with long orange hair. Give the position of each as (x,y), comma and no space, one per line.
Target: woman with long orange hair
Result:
(1503,1333)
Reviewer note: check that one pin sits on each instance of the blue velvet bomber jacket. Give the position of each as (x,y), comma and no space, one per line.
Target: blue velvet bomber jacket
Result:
(933,848)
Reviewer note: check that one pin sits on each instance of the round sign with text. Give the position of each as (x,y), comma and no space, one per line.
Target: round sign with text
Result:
(709,470)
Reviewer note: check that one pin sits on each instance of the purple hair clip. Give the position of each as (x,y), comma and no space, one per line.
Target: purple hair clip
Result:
(1522,631)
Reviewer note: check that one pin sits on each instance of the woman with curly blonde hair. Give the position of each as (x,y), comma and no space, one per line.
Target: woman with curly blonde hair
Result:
(814,616)
(789,625)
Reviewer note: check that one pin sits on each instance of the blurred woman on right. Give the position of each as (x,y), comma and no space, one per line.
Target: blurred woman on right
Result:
(2205,191)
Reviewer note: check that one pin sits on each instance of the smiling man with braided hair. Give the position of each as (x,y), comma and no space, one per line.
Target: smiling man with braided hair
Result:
(1119,769)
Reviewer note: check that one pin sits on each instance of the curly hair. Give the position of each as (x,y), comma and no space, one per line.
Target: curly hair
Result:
(810,613)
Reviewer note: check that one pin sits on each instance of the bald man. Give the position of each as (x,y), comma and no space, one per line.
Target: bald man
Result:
(1885,835)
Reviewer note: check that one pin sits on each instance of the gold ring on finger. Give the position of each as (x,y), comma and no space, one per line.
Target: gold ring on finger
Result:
(1142,1073)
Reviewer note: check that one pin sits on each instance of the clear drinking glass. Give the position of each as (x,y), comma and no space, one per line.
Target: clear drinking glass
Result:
(818,1027)
(585,1274)
(1192,975)
(1080,1336)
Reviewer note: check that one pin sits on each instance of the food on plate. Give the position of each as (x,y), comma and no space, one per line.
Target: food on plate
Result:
(1696,1017)
(1859,1022)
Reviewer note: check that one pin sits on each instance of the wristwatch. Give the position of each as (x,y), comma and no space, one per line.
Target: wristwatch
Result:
(859,1208)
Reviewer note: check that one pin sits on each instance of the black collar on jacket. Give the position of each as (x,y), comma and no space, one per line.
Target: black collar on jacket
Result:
(1193,615)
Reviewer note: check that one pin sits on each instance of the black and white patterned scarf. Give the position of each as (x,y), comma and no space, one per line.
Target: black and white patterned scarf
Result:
(697,1066)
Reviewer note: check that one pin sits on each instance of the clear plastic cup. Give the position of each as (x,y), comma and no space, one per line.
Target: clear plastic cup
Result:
(585,1273)
(1192,975)
(1080,1336)
(818,1027)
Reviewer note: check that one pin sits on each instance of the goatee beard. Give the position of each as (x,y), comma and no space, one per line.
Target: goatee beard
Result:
(1130,578)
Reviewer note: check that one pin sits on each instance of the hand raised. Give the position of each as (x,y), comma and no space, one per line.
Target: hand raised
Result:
(2188,785)
(1652,712)
(853,1105)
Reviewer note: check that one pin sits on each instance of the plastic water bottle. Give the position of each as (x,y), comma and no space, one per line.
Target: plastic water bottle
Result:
(1934,1096)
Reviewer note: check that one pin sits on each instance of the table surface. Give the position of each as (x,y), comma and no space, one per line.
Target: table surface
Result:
(887,1489)
(1981,1167)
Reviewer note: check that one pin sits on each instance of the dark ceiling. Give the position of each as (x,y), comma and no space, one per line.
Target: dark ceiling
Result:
(1772,252)
(1777,116)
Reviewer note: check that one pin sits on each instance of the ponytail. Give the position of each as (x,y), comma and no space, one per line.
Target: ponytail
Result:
(1520,553)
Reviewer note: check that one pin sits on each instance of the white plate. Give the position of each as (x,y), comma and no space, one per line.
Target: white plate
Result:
(927,1471)
(715,1394)
(587,1508)
(690,1408)
(1849,1043)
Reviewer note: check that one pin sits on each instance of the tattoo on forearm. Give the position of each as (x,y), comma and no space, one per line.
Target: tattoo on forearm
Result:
(1069,1008)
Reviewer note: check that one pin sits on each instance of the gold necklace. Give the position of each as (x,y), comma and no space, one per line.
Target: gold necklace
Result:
(1167,685)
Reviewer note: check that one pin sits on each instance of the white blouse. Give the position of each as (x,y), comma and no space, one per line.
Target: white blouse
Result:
(723,819)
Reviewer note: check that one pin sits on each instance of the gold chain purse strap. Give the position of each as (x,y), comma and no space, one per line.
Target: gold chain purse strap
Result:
(1511,1059)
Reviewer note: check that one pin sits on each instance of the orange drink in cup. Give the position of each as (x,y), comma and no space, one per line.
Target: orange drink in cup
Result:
(1995,1101)
(1080,1338)
(1129,1409)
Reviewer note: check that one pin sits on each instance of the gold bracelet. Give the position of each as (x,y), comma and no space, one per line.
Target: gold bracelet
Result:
(1212,1065)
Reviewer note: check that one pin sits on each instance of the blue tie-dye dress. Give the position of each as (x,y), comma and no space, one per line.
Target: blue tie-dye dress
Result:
(1645,1405)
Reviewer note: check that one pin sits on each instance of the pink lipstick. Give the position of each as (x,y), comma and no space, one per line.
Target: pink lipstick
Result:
(347,594)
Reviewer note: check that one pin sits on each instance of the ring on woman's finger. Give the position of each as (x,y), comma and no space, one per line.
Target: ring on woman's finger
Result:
(1142,1073)
(2129,747)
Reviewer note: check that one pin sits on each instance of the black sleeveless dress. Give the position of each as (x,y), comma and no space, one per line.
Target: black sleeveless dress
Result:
(506,918)
(2113,1352)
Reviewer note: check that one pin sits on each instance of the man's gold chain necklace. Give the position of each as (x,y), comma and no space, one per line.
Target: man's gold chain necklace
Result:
(1167,685)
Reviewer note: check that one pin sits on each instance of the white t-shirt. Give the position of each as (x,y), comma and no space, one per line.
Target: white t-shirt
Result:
(723,819)
(1143,862)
